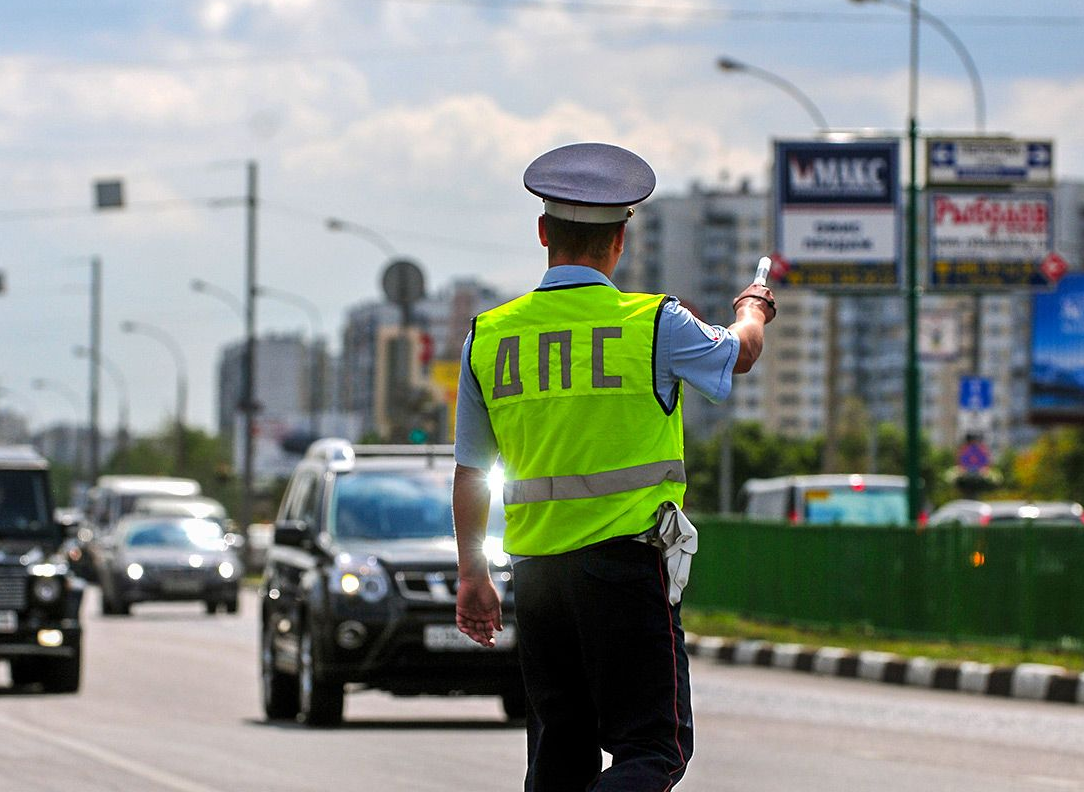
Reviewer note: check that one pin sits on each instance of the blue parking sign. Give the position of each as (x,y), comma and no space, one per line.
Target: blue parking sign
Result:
(976,393)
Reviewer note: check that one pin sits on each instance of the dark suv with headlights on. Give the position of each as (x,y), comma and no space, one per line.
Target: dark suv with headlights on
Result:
(40,634)
(360,583)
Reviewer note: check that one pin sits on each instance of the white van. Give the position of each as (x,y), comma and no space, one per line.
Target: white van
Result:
(827,499)
(116,496)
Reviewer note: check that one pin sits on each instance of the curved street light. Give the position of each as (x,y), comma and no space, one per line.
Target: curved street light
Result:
(338,224)
(69,395)
(121,385)
(978,94)
(732,65)
(29,403)
(220,294)
(164,338)
(316,331)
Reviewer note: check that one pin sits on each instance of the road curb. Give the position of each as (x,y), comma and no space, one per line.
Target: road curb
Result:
(1026,681)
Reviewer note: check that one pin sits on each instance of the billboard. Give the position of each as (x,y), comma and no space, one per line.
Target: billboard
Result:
(837,219)
(1057,353)
(989,240)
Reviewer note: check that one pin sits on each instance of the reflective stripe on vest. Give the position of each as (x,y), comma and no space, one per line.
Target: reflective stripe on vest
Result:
(609,482)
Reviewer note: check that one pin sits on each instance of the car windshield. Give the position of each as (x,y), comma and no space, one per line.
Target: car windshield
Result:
(397,505)
(24,509)
(856,506)
(176,534)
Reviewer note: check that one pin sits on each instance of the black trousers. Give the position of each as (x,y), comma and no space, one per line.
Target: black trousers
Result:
(605,667)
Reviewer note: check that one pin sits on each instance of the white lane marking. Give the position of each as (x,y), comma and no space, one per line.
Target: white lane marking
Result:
(107,757)
(1051,781)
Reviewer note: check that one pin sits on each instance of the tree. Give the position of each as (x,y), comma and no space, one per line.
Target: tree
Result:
(1053,467)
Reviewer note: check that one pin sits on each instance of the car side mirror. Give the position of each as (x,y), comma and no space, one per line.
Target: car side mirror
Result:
(292,533)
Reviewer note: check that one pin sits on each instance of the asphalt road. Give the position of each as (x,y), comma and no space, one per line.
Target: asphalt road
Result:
(170,704)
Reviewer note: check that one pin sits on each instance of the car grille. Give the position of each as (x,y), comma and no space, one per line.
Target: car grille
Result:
(431,586)
(13,582)
(437,586)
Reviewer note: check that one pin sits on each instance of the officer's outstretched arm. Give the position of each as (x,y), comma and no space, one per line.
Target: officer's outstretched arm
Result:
(754,307)
(478,606)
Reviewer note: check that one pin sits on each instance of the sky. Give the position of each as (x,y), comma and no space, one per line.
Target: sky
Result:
(415,119)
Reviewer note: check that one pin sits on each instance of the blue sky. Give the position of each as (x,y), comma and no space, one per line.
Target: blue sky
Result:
(416,118)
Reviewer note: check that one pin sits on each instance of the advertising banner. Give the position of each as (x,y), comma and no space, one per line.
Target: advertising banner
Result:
(837,220)
(1057,353)
(991,240)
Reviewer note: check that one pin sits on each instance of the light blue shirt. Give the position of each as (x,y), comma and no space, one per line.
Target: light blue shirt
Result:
(686,349)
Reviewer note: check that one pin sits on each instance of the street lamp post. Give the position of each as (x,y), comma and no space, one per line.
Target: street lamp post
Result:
(315,389)
(29,403)
(977,93)
(726,450)
(220,294)
(357,229)
(95,374)
(40,383)
(175,350)
(121,385)
(731,65)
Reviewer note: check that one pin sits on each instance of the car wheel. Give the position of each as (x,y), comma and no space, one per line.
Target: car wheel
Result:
(280,698)
(231,606)
(514,702)
(211,606)
(61,675)
(320,701)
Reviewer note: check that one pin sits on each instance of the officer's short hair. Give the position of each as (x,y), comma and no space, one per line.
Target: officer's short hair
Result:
(580,240)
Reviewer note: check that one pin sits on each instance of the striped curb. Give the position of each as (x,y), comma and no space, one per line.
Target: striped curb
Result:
(1027,681)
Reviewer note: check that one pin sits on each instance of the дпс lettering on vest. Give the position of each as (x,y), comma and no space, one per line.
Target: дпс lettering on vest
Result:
(508,381)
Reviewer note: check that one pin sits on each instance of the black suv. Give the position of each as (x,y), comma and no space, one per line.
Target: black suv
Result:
(360,583)
(40,634)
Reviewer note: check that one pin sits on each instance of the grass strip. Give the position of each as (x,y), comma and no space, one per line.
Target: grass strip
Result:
(861,638)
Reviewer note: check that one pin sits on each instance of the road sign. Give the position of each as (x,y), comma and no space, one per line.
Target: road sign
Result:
(404,282)
(987,162)
(1054,267)
(976,393)
(974,457)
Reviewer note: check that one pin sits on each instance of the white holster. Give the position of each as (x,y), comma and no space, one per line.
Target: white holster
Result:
(675,536)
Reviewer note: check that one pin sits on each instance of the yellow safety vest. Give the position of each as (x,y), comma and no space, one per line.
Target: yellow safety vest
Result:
(589,450)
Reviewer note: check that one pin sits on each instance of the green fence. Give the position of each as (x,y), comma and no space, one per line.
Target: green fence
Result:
(1014,582)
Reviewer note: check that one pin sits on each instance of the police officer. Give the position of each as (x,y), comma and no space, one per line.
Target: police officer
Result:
(577,387)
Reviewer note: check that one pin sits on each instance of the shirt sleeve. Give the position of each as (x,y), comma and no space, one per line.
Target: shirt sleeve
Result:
(475,444)
(688,349)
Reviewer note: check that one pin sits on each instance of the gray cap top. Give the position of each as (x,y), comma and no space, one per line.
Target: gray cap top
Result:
(590,182)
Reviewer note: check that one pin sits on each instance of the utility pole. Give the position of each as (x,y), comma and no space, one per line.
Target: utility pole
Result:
(94,362)
(248,397)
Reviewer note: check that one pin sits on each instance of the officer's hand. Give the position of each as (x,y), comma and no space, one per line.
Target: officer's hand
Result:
(762,296)
(478,610)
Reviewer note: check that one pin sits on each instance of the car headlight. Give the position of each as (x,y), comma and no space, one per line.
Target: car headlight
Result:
(48,589)
(135,571)
(367,579)
(226,570)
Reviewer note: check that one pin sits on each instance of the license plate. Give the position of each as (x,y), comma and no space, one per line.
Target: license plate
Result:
(447,638)
(181,586)
(9,621)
